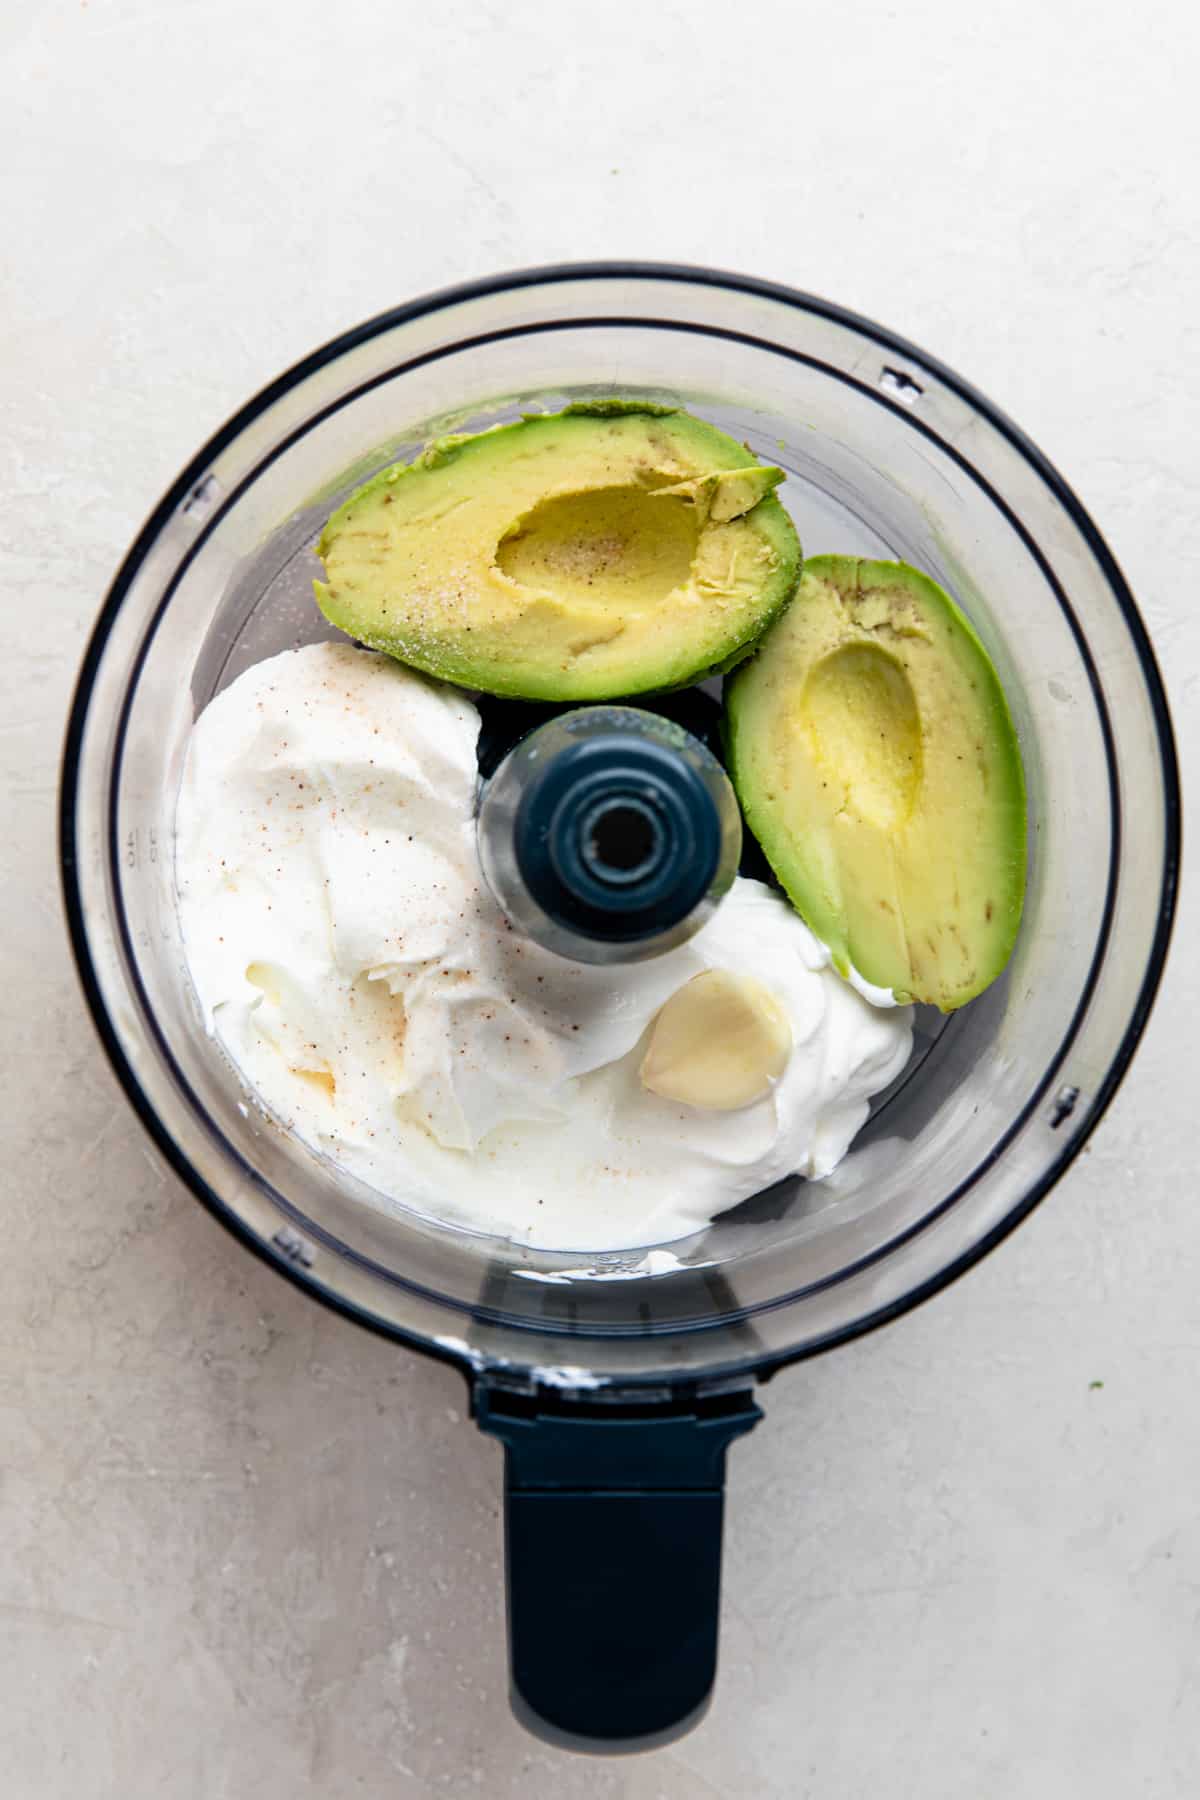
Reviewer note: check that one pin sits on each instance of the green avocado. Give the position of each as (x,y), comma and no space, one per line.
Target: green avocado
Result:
(872,750)
(607,550)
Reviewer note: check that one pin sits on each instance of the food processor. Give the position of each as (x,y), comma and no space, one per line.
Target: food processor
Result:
(617,1381)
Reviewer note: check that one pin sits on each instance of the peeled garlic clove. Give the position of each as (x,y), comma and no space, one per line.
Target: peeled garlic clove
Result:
(720,1042)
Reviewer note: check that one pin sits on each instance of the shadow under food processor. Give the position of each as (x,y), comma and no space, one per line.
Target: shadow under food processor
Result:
(616,1381)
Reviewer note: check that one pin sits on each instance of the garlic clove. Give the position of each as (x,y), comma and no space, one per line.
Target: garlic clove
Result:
(720,1043)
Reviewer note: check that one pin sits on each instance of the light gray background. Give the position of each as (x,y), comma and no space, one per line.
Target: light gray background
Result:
(246,1550)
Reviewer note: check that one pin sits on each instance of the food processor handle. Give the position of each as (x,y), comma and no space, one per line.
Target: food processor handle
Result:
(613,1558)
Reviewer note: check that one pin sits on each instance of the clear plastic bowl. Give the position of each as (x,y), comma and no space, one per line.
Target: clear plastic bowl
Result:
(887,454)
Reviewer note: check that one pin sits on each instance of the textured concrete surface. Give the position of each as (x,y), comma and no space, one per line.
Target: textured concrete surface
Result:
(246,1550)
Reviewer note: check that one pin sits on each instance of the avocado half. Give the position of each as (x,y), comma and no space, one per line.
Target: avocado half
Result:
(875,759)
(611,549)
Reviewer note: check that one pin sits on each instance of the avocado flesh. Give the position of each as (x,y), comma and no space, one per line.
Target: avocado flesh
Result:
(581,555)
(875,759)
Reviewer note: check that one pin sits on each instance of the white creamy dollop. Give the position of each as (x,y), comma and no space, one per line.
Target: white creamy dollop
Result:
(352,963)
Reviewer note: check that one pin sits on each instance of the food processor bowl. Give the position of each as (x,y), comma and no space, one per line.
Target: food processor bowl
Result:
(616,1379)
